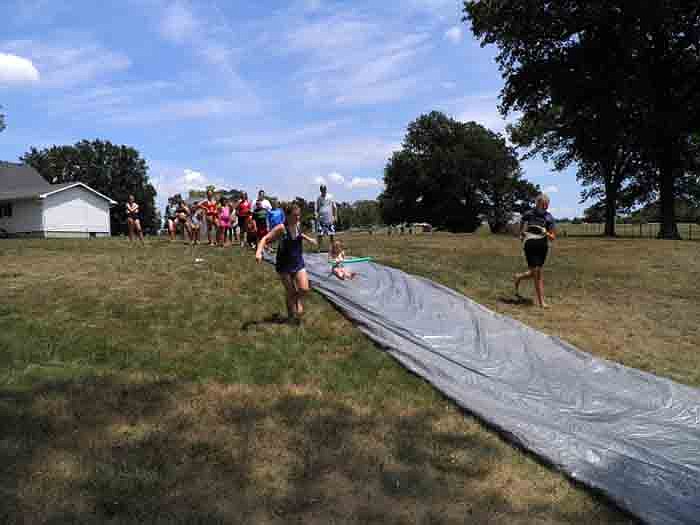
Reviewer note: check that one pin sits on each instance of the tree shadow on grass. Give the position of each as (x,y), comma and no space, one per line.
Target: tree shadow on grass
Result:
(146,451)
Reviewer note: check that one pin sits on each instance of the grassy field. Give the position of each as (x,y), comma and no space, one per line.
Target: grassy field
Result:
(687,231)
(139,386)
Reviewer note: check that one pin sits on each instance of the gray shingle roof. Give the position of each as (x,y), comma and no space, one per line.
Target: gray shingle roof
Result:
(19,181)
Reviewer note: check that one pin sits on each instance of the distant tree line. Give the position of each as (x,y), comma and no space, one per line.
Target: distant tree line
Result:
(608,85)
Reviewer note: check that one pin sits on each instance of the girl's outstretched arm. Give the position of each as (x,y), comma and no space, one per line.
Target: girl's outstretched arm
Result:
(309,239)
(272,236)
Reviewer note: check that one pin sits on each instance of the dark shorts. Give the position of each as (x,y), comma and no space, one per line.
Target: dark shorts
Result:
(536,252)
(290,267)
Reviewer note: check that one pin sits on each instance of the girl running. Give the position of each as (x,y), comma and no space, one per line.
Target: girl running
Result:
(132,220)
(537,228)
(290,260)
(224,221)
(337,256)
(211,207)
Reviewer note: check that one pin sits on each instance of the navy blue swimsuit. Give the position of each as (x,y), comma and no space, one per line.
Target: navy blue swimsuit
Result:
(290,252)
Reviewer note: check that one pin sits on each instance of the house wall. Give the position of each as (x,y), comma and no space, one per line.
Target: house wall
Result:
(26,218)
(76,212)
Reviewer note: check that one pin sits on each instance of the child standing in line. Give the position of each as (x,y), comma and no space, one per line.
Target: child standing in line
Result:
(224,222)
(251,232)
(196,219)
(337,256)
(537,229)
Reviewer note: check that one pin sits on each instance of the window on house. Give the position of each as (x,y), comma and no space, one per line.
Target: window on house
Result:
(6,210)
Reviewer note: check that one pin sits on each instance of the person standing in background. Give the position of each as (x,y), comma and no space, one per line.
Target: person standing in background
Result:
(326,215)
(243,212)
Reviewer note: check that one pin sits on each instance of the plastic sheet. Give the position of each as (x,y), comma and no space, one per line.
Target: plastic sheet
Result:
(630,434)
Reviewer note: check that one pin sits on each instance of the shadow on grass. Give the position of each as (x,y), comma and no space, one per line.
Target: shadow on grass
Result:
(100,450)
(272,320)
(517,300)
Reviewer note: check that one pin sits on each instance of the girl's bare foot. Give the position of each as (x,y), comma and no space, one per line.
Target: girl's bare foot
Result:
(545,306)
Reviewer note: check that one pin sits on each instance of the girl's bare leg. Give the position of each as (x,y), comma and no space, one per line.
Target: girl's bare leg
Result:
(539,287)
(130,226)
(518,277)
(291,292)
(301,284)
(139,231)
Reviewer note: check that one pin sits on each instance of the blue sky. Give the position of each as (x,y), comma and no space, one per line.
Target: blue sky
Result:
(274,95)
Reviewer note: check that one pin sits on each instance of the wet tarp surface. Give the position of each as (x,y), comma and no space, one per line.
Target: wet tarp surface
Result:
(630,434)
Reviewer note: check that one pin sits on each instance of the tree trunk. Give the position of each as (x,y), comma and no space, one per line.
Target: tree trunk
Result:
(611,191)
(669,228)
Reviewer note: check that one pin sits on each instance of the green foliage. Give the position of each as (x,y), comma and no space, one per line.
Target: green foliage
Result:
(2,121)
(358,214)
(115,171)
(620,77)
(453,174)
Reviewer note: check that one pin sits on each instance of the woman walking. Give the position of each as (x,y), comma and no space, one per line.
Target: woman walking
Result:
(537,229)
(290,260)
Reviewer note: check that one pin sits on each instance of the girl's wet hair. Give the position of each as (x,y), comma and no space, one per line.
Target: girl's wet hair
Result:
(542,197)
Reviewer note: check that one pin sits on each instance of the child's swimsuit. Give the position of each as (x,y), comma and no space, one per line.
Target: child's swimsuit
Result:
(211,208)
(132,213)
(290,252)
(225,217)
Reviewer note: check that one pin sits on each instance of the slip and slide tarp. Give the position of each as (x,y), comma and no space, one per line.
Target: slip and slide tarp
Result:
(630,434)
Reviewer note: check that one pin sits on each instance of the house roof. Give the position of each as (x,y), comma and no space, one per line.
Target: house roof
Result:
(20,181)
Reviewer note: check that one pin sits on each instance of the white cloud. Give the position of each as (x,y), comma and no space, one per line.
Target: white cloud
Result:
(69,64)
(551,189)
(363,182)
(194,178)
(178,22)
(454,34)
(336,178)
(482,109)
(320,181)
(278,137)
(185,109)
(15,70)
(352,59)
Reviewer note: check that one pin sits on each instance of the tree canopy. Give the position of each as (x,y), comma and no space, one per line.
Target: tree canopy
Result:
(620,79)
(113,170)
(2,120)
(453,175)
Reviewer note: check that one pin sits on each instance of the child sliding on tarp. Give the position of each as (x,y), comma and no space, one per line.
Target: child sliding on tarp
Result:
(336,257)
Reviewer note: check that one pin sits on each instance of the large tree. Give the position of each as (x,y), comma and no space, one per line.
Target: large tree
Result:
(2,121)
(643,57)
(453,175)
(113,170)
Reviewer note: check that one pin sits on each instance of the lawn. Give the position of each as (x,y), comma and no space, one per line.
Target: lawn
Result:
(139,386)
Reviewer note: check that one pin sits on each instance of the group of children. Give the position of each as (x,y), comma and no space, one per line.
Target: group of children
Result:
(226,221)
(262,225)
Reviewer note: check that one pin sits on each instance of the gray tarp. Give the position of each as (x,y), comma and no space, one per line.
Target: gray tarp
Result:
(630,434)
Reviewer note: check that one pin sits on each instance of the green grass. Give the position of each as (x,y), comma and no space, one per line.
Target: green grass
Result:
(137,386)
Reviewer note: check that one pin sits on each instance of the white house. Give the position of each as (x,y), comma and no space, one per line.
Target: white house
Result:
(31,206)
